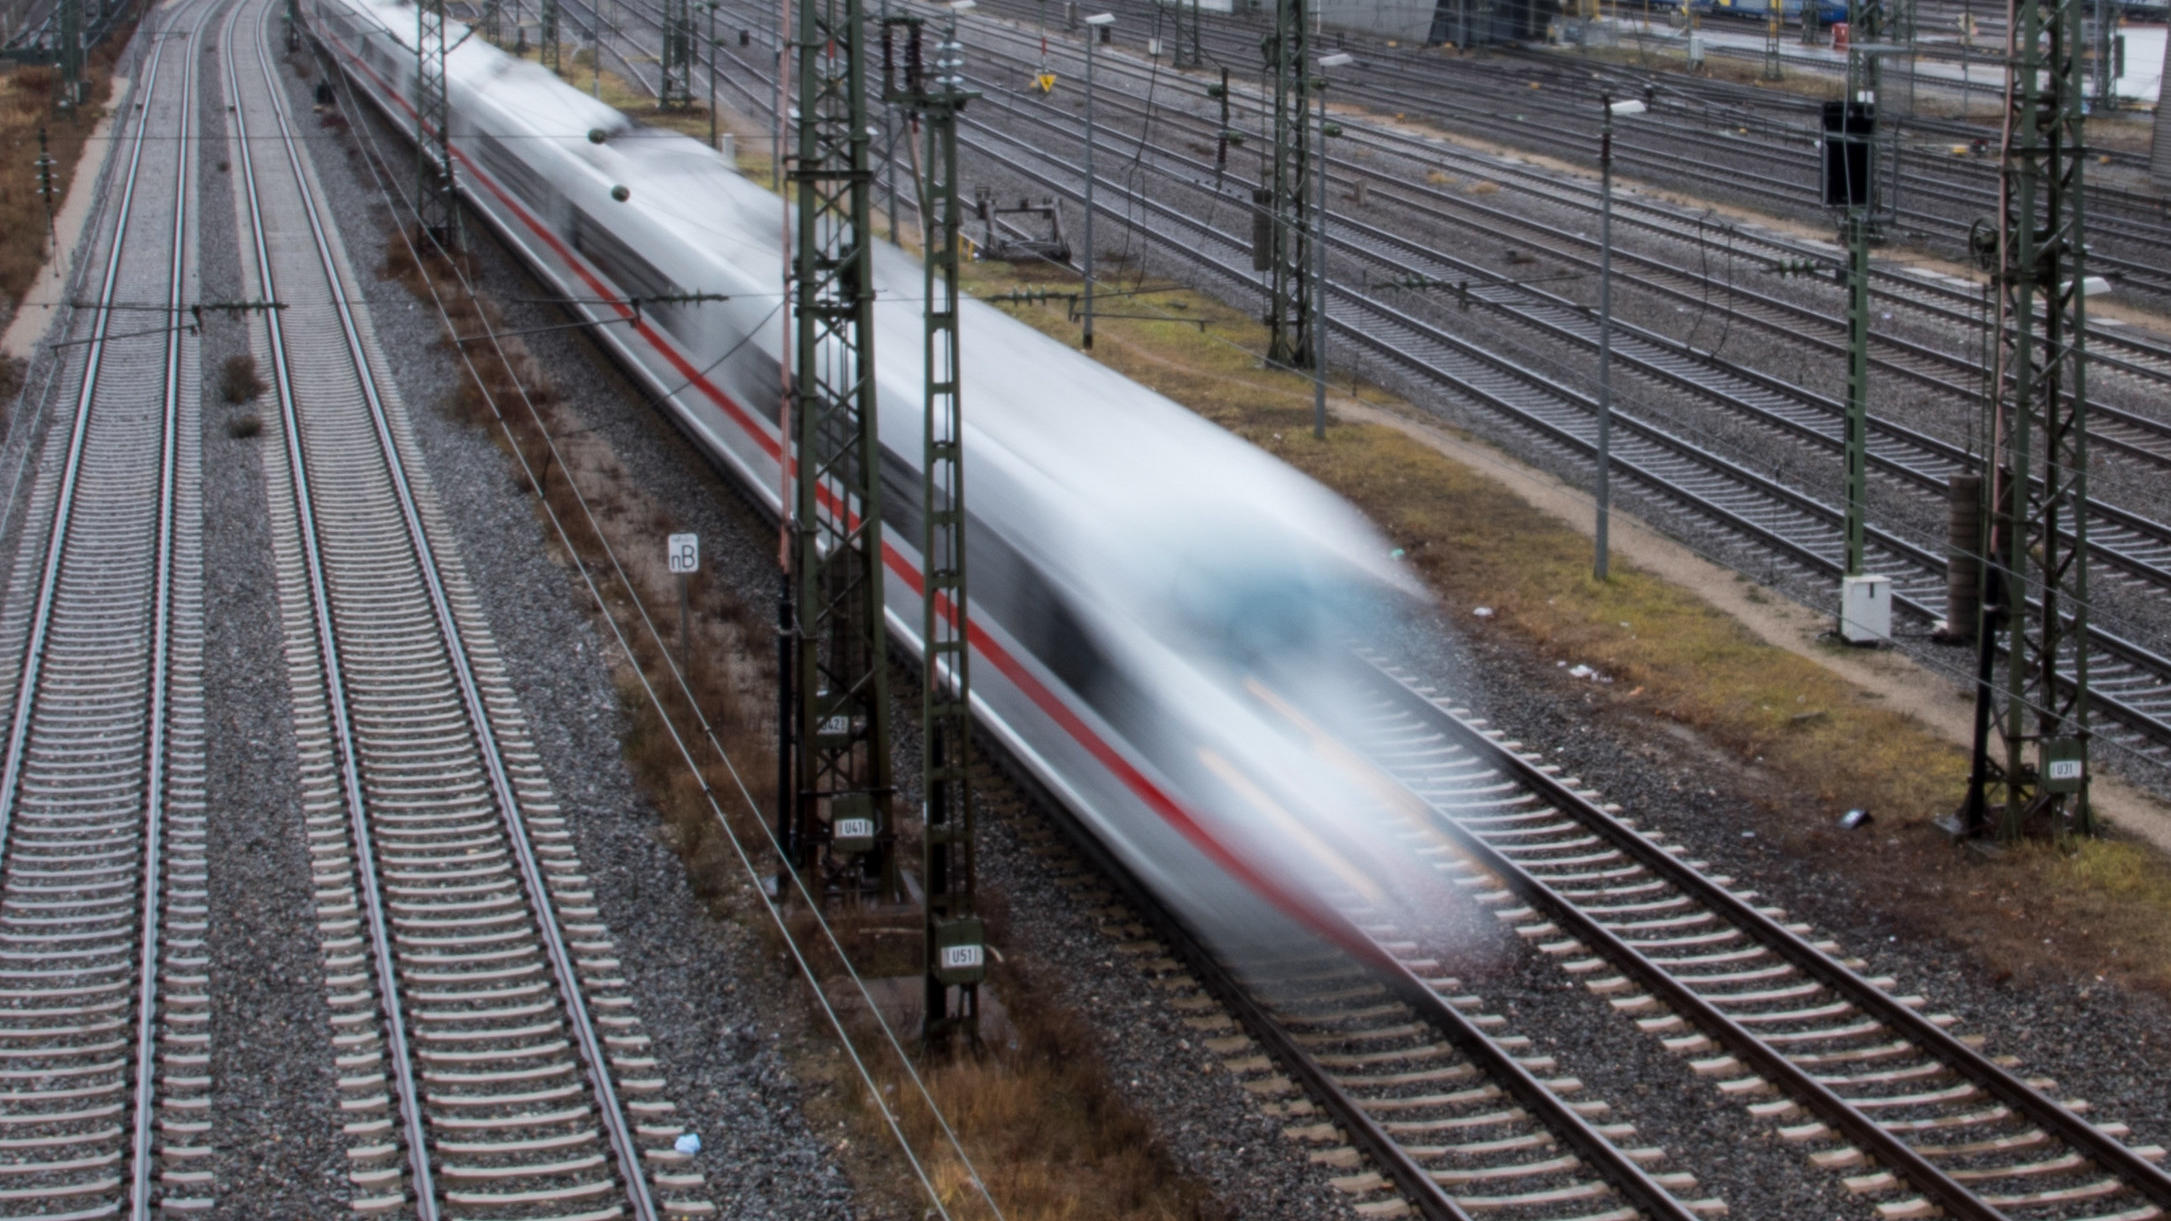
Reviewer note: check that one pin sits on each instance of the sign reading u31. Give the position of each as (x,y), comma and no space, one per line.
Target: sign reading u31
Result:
(683,551)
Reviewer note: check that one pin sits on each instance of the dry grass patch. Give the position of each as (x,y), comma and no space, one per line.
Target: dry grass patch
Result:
(239,382)
(26,104)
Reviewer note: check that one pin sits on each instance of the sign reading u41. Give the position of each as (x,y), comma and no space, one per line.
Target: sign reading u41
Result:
(684,553)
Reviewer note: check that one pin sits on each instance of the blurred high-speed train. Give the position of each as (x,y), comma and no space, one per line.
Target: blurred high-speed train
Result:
(1158,609)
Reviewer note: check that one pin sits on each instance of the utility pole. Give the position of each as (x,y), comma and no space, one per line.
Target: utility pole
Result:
(1288,231)
(1865,22)
(675,69)
(546,35)
(2106,73)
(841,785)
(2159,147)
(1189,53)
(1772,69)
(71,55)
(1602,554)
(1319,247)
(2036,771)
(954,942)
(437,204)
(1095,27)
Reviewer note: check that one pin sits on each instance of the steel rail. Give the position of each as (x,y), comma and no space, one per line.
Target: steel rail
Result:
(2137,1172)
(611,1114)
(64,505)
(1420,82)
(405,1086)
(142,1135)
(1422,92)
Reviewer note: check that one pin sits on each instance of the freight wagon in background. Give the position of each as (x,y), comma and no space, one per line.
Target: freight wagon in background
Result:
(1824,12)
(1420,22)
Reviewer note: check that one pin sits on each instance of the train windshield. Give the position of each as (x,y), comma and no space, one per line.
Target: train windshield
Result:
(1262,615)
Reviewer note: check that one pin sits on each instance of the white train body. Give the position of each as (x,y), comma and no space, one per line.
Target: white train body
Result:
(1139,579)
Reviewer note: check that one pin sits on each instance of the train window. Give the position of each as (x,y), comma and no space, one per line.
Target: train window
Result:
(633,275)
(1039,614)
(901,497)
(511,172)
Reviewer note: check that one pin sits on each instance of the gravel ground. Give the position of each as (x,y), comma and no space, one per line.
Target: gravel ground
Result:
(1210,1126)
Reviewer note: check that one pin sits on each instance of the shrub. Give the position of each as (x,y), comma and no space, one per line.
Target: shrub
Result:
(239,381)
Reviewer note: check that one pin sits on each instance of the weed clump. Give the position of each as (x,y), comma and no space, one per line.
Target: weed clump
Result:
(239,382)
(242,427)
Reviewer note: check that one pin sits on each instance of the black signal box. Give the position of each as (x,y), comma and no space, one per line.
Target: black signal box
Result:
(1848,127)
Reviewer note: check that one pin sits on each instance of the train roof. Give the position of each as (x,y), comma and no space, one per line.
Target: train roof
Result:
(1120,454)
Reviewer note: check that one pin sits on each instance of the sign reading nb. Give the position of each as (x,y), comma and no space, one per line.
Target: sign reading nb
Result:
(685,553)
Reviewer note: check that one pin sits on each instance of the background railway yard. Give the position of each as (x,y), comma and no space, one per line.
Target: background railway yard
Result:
(374,839)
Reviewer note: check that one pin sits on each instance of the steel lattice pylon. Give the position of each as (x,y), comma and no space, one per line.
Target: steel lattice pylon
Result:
(437,207)
(841,783)
(954,936)
(675,75)
(2036,538)
(1288,236)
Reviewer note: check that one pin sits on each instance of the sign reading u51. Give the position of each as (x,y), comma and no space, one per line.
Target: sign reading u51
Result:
(684,553)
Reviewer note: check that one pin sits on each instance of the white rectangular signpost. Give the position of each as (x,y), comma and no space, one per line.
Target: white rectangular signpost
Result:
(683,555)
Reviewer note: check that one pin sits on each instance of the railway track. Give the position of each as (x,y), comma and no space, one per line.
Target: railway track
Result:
(1741,142)
(1383,1065)
(1935,298)
(1845,1066)
(491,1060)
(104,1004)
